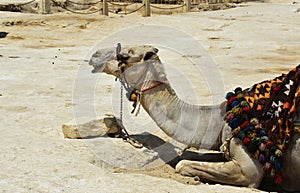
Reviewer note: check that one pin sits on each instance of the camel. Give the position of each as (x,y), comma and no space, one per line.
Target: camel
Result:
(193,125)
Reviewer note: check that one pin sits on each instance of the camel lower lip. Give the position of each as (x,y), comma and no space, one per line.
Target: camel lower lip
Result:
(98,68)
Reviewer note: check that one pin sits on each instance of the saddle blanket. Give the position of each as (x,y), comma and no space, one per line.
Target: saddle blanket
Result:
(263,115)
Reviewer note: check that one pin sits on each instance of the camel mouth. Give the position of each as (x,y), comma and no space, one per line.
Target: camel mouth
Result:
(112,60)
(100,59)
(98,68)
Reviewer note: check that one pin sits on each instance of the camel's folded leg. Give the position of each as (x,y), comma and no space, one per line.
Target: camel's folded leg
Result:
(242,170)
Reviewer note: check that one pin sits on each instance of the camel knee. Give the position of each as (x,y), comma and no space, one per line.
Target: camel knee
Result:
(183,168)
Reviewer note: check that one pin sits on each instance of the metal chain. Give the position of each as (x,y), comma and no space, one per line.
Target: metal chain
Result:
(121,103)
(121,111)
(127,137)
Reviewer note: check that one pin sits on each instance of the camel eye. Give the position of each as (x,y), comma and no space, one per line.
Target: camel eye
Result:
(148,55)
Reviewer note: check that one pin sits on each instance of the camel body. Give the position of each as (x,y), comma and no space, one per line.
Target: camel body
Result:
(193,125)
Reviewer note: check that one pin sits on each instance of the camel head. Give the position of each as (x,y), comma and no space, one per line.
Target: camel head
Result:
(115,61)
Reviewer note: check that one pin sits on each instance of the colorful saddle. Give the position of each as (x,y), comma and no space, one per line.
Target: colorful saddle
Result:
(262,116)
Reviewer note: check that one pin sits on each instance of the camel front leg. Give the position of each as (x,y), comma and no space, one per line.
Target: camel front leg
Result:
(222,172)
(241,170)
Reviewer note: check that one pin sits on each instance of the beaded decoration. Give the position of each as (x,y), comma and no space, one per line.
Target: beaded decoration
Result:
(262,117)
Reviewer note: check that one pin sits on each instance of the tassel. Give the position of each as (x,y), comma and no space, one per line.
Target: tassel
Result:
(262,158)
(256,155)
(256,141)
(229,117)
(240,96)
(133,97)
(139,104)
(234,123)
(269,144)
(229,102)
(273,173)
(246,109)
(229,95)
(250,128)
(245,124)
(272,159)
(246,141)
(262,132)
(238,90)
(278,179)
(278,153)
(241,135)
(234,104)
(278,164)
(254,121)
(267,166)
(262,147)
(236,131)
(264,139)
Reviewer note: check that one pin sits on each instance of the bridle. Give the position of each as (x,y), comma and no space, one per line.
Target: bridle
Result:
(124,81)
(130,92)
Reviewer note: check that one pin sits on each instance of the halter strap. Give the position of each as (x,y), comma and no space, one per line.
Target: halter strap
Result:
(151,87)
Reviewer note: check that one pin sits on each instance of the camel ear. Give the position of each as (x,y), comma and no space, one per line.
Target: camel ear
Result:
(149,55)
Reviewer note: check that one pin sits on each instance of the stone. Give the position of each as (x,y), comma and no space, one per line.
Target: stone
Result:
(94,128)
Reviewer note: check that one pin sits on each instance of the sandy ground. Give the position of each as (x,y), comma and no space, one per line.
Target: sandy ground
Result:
(42,56)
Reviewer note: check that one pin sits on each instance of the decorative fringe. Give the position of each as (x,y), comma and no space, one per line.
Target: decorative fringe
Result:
(262,117)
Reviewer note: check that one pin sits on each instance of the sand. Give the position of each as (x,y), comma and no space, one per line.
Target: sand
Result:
(43,55)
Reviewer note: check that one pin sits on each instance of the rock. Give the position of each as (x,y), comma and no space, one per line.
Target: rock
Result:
(70,131)
(91,129)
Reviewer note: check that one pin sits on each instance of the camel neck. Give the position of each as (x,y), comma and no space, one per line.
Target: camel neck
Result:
(193,125)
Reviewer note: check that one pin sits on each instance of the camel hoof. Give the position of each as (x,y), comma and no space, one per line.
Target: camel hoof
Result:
(180,168)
